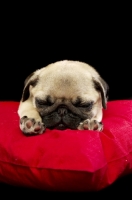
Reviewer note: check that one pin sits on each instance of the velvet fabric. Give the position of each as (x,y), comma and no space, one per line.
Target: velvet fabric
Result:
(68,160)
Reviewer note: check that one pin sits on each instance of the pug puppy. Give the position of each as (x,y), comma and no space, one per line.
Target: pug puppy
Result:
(63,95)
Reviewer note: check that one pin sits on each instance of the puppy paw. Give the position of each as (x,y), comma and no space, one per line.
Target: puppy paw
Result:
(30,126)
(90,125)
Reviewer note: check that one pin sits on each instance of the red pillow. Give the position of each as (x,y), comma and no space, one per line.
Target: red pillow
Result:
(68,160)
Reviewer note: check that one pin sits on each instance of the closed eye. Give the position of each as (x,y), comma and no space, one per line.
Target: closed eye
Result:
(86,105)
(80,104)
(40,102)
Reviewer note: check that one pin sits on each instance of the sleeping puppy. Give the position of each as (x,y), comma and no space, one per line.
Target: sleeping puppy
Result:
(63,95)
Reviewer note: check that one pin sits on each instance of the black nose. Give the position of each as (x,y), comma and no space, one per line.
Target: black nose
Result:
(62,111)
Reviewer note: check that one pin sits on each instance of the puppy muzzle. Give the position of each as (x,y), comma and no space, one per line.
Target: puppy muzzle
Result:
(62,118)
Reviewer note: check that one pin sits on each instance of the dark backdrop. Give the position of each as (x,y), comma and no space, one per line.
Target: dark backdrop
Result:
(106,46)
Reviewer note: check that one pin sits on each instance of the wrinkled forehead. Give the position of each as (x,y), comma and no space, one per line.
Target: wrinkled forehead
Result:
(65,89)
(65,83)
(65,79)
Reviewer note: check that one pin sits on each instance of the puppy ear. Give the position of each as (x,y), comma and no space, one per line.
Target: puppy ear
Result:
(32,80)
(101,86)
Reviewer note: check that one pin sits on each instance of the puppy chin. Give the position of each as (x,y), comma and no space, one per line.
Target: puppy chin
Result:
(61,126)
(61,123)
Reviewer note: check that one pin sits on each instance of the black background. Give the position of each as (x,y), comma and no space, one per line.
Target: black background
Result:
(101,38)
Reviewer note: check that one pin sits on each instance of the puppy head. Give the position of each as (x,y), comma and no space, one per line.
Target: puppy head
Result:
(66,93)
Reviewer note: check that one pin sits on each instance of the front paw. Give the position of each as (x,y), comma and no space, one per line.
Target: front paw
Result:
(30,126)
(90,125)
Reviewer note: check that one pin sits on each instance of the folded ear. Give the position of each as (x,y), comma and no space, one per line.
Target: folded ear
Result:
(32,80)
(103,88)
